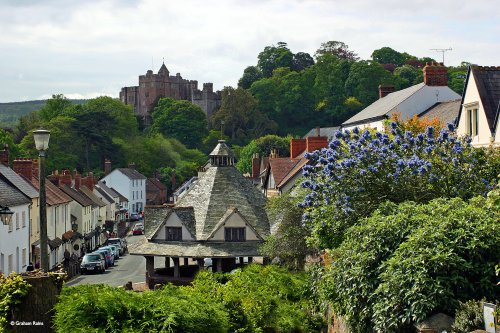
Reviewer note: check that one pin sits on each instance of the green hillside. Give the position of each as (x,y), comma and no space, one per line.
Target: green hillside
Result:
(11,112)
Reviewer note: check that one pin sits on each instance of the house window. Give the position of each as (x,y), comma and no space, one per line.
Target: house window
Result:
(174,233)
(23,220)
(17,220)
(472,122)
(234,234)
(24,257)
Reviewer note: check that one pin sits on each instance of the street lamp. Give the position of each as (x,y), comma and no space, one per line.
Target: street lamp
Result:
(6,215)
(42,144)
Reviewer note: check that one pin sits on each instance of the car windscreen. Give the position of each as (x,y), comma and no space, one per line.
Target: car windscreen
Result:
(89,258)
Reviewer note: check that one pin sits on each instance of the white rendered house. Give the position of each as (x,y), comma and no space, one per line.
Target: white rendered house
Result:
(131,184)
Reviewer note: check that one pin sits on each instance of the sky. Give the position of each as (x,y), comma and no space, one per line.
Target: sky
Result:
(85,49)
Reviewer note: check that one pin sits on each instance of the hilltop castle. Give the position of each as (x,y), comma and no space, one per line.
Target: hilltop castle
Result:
(152,87)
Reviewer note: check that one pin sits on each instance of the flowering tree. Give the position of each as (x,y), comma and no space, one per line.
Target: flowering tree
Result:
(360,170)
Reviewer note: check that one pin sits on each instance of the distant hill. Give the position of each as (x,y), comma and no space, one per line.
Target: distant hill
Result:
(11,112)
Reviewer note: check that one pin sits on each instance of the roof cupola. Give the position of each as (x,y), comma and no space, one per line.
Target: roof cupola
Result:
(222,155)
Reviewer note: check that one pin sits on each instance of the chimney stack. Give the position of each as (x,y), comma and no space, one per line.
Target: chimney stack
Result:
(131,165)
(54,178)
(435,74)
(255,165)
(107,167)
(384,90)
(24,167)
(316,142)
(89,181)
(65,178)
(297,146)
(4,155)
(78,179)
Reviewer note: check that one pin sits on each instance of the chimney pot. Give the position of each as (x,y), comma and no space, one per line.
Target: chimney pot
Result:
(384,90)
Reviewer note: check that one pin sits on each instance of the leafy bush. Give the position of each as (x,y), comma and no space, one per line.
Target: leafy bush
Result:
(257,299)
(469,317)
(100,308)
(408,261)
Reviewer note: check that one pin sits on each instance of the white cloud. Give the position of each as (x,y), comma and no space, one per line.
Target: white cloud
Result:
(80,47)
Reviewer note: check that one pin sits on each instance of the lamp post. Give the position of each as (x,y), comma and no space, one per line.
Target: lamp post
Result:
(42,144)
(5,215)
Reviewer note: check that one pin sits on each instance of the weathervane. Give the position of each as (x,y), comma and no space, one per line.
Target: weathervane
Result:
(442,51)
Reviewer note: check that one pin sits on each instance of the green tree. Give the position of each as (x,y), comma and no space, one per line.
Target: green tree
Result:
(273,57)
(337,49)
(242,121)
(364,79)
(180,120)
(263,147)
(250,75)
(288,243)
(457,76)
(409,76)
(387,55)
(301,61)
(54,107)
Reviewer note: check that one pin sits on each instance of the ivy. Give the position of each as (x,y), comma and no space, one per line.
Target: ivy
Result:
(13,288)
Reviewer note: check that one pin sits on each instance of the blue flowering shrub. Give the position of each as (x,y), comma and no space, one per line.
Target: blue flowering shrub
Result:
(361,169)
(408,261)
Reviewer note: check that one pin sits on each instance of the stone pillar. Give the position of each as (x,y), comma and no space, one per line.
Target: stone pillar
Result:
(250,260)
(177,273)
(186,261)
(150,265)
(167,261)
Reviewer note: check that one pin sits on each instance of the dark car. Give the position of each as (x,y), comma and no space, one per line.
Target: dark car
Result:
(92,262)
(134,217)
(110,258)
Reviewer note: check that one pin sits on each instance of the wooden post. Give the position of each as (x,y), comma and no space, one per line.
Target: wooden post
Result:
(186,261)
(167,261)
(219,265)
(242,260)
(201,263)
(250,260)
(150,265)
(176,268)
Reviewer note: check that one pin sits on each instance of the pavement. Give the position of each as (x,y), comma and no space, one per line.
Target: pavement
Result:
(127,268)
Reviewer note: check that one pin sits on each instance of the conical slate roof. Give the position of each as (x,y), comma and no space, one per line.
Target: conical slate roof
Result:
(222,188)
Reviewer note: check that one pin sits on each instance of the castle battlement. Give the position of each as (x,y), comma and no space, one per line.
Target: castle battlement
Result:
(152,87)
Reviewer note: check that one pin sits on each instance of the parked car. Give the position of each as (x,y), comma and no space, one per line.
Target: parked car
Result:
(114,250)
(118,241)
(134,217)
(110,258)
(92,262)
(138,229)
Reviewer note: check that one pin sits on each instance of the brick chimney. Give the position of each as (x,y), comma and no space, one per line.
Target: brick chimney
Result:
(384,90)
(34,169)
(316,142)
(23,167)
(78,179)
(255,165)
(107,166)
(4,155)
(297,146)
(435,74)
(131,165)
(88,181)
(65,178)
(54,177)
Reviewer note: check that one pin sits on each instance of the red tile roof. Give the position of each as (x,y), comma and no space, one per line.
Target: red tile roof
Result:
(55,196)
(281,166)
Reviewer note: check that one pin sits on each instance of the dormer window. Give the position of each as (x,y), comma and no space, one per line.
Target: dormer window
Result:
(234,234)
(173,233)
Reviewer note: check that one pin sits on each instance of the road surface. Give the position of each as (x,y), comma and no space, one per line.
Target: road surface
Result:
(127,268)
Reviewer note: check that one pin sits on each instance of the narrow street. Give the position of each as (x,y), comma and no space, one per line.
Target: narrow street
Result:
(127,268)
